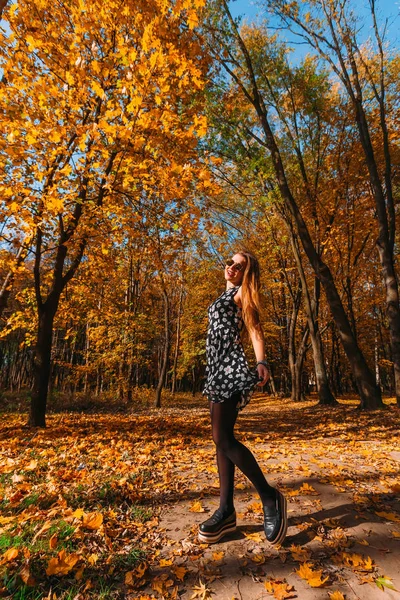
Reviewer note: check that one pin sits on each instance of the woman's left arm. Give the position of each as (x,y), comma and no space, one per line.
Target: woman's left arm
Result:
(257,339)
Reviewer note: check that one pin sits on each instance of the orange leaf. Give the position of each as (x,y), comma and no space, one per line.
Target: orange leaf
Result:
(313,578)
(197,507)
(281,590)
(26,576)
(9,555)
(336,596)
(32,465)
(254,537)
(92,520)
(179,572)
(63,564)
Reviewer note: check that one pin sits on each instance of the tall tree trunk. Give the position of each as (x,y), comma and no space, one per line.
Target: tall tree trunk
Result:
(178,339)
(325,395)
(292,320)
(42,366)
(164,363)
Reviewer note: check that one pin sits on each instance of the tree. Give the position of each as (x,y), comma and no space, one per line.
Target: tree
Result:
(244,61)
(333,30)
(97,111)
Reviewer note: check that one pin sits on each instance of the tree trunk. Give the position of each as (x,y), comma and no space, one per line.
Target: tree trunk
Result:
(297,393)
(178,339)
(325,395)
(292,342)
(164,364)
(41,367)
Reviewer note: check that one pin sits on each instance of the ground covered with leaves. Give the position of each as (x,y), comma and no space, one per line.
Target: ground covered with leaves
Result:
(107,505)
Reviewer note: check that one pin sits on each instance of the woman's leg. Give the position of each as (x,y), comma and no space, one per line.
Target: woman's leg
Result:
(231,452)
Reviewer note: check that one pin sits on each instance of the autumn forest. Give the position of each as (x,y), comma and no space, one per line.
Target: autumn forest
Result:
(141,145)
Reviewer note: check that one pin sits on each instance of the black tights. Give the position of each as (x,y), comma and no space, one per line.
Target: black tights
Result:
(231,452)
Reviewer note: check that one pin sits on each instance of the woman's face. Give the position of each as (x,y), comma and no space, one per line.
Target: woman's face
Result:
(233,272)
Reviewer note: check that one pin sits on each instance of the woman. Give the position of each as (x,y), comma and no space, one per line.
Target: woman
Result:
(229,387)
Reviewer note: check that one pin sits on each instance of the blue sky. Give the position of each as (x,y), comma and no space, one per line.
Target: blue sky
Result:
(250,10)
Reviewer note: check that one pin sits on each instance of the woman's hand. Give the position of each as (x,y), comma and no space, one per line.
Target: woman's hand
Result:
(263,374)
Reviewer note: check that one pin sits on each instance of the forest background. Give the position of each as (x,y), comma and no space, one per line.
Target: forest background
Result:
(142,143)
(138,153)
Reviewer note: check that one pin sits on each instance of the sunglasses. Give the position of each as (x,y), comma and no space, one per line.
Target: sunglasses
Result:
(235,266)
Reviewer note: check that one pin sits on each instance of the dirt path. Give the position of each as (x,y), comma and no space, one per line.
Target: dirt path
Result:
(336,481)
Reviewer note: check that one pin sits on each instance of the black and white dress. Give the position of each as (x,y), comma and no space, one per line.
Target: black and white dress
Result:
(227,370)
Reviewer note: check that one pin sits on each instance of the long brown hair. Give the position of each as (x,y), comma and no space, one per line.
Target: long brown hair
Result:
(251,291)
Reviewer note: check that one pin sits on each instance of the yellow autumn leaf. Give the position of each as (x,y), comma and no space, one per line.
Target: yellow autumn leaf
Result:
(256,508)
(62,564)
(196,507)
(355,561)
(389,516)
(78,513)
(201,591)
(133,577)
(299,553)
(32,465)
(281,590)
(259,559)
(218,555)
(164,562)
(395,534)
(92,520)
(255,537)
(336,596)
(55,136)
(308,489)
(9,555)
(179,572)
(192,19)
(93,558)
(313,577)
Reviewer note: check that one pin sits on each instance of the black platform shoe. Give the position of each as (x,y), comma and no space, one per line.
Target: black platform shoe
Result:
(212,530)
(275,520)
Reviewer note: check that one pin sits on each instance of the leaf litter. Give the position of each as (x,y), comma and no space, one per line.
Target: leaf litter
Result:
(86,505)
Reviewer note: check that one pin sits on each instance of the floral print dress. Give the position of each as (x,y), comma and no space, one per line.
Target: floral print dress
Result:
(227,370)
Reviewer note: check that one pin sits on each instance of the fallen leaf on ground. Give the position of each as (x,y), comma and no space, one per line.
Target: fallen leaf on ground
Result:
(62,564)
(92,520)
(197,507)
(26,576)
(299,553)
(313,577)
(384,582)
(179,572)
(388,516)
(201,591)
(281,590)
(255,537)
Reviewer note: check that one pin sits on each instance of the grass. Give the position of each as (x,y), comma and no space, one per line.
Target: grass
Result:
(128,561)
(25,537)
(141,513)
